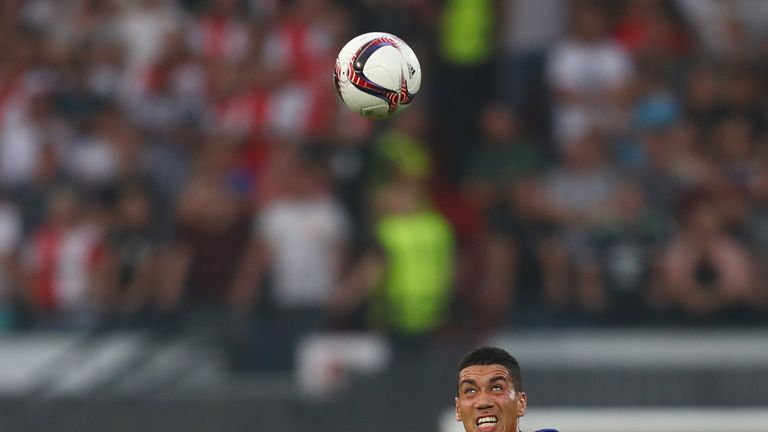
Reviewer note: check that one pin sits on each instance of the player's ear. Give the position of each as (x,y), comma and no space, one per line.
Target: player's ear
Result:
(522,404)
(458,416)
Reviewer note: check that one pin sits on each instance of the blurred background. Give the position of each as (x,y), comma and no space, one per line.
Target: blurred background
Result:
(196,235)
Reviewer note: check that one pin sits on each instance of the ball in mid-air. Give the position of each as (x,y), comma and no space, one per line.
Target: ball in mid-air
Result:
(377,75)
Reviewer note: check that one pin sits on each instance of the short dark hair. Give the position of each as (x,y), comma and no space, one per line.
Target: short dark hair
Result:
(489,355)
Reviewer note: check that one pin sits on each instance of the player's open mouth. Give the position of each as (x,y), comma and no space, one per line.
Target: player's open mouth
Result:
(487,422)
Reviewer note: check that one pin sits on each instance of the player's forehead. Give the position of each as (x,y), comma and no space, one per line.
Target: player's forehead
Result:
(484,373)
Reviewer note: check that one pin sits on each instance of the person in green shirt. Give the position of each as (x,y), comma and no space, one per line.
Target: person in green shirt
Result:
(406,276)
(467,78)
(502,155)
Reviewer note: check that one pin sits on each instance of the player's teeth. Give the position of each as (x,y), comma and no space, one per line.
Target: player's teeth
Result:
(484,420)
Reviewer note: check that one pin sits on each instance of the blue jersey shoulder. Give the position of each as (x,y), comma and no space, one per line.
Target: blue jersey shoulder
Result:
(547,430)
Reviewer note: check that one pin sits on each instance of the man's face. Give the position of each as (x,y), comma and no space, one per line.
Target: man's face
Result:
(488,400)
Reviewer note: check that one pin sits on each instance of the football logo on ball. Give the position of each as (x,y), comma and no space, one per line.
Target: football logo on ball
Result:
(377,75)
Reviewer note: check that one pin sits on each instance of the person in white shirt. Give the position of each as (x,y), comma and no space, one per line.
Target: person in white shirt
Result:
(301,233)
(294,261)
(589,74)
(528,29)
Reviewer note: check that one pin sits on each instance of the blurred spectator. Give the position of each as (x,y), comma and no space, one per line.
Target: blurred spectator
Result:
(577,193)
(92,158)
(656,105)
(582,185)
(589,73)
(684,157)
(467,28)
(539,238)
(144,28)
(212,225)
(130,270)
(235,108)
(69,23)
(652,30)
(168,106)
(728,31)
(169,94)
(742,96)
(25,126)
(707,275)
(675,161)
(304,41)
(105,76)
(528,28)
(405,277)
(655,109)
(733,145)
(466,42)
(75,101)
(34,195)
(401,151)
(10,275)
(349,162)
(619,282)
(502,155)
(514,252)
(303,227)
(219,33)
(702,95)
(60,263)
(712,94)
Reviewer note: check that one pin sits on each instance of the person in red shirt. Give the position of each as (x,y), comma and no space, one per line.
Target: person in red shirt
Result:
(60,263)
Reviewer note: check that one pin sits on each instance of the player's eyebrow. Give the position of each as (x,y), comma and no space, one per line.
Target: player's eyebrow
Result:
(498,378)
(469,381)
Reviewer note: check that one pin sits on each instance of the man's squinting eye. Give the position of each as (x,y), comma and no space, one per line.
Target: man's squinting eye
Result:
(498,387)
(469,390)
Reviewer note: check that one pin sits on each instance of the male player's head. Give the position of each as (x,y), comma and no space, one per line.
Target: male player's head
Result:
(491,396)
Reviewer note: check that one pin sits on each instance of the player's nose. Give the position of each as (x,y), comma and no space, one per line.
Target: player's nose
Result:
(483,402)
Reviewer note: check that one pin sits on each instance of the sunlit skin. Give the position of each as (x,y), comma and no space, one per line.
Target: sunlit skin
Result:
(488,390)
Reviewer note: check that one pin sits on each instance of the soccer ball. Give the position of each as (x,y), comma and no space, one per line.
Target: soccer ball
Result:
(377,75)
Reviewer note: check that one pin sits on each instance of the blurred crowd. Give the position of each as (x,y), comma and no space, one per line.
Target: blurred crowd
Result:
(566,163)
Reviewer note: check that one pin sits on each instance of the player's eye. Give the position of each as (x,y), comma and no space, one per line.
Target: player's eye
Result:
(469,390)
(497,387)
